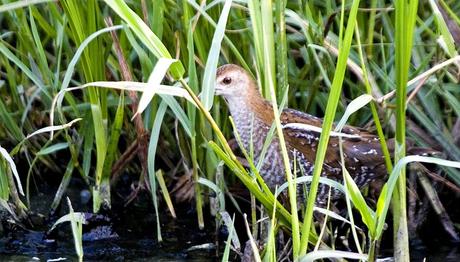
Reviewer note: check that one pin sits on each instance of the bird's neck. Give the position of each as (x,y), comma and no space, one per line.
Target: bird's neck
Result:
(251,107)
(238,109)
(251,115)
(262,109)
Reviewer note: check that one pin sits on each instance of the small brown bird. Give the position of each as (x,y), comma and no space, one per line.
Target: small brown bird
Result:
(253,117)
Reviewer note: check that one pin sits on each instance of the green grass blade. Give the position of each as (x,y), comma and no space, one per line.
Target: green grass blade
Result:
(209,77)
(327,124)
(76,220)
(143,32)
(367,215)
(164,190)
(405,22)
(446,36)
(154,137)
(234,49)
(256,22)
(219,194)
(386,196)
(53,128)
(155,78)
(13,168)
(52,149)
(226,254)
(33,77)
(21,4)
(268,68)
(76,57)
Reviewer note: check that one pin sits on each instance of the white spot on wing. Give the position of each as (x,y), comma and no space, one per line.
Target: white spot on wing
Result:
(309,128)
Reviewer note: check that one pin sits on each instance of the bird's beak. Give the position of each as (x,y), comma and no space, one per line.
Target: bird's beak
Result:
(218,90)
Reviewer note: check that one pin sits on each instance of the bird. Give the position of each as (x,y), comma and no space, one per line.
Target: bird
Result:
(253,117)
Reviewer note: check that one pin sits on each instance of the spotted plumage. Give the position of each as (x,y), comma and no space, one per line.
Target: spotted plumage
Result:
(253,117)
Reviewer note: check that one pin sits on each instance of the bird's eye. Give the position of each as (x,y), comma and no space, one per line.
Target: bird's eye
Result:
(227,80)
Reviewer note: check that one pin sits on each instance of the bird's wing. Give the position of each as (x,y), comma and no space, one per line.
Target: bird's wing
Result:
(362,152)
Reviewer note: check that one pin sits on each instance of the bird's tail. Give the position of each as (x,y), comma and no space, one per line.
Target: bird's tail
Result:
(423,151)
(411,149)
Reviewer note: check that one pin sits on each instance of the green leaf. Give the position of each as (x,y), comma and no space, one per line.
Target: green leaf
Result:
(76,220)
(381,200)
(154,137)
(331,108)
(231,235)
(155,78)
(10,161)
(446,40)
(219,194)
(143,32)
(32,76)
(21,4)
(164,190)
(209,77)
(385,199)
(367,215)
(76,217)
(51,129)
(53,148)
(354,106)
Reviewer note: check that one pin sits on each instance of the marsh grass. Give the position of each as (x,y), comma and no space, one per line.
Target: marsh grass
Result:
(76,223)
(58,65)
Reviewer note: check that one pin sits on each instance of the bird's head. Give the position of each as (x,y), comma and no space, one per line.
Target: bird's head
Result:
(233,82)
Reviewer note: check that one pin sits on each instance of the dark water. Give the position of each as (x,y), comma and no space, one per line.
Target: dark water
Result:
(435,253)
(136,240)
(123,234)
(127,239)
(129,234)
